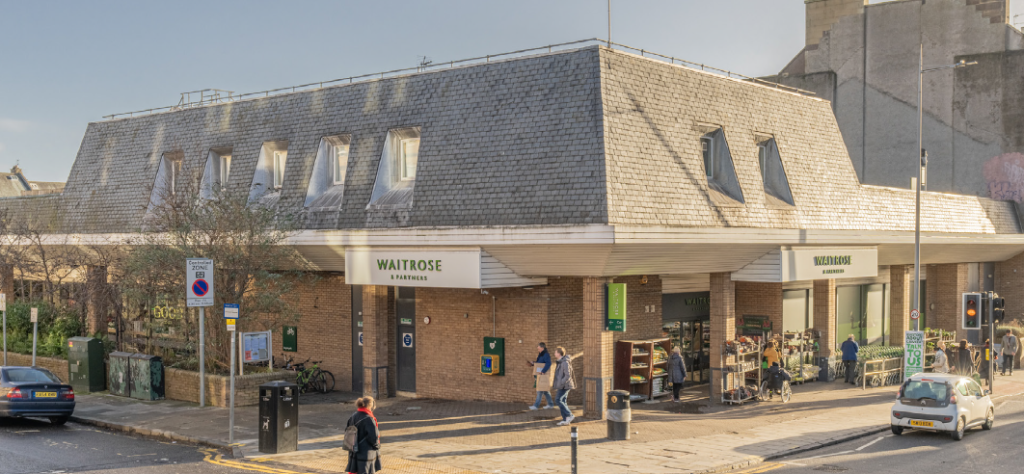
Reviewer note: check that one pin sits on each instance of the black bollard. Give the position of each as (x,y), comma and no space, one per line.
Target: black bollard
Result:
(575,443)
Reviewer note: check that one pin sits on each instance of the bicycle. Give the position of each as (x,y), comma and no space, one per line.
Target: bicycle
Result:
(314,379)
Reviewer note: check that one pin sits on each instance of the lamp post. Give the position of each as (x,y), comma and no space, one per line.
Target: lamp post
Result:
(922,163)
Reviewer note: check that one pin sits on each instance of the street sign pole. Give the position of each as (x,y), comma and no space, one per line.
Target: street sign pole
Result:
(991,344)
(199,294)
(3,308)
(35,333)
(231,412)
(202,357)
(231,317)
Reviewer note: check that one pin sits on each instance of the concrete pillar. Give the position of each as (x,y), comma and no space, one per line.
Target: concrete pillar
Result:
(598,348)
(723,327)
(375,341)
(901,301)
(946,284)
(825,315)
(7,281)
(96,298)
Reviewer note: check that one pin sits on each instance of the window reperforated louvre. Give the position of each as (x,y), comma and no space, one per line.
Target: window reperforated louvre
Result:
(773,173)
(330,168)
(397,170)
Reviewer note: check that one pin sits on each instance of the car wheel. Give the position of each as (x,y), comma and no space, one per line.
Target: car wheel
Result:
(897,430)
(990,420)
(959,433)
(59,420)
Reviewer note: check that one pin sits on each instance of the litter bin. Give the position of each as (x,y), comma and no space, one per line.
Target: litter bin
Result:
(119,374)
(147,377)
(619,415)
(279,417)
(86,370)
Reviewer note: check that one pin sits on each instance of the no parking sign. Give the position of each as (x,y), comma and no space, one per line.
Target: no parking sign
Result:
(199,287)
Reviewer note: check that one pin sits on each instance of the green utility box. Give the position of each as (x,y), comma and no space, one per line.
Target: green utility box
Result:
(147,377)
(86,371)
(494,346)
(119,374)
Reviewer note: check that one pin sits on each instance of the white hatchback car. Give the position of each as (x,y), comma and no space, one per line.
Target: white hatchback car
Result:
(942,402)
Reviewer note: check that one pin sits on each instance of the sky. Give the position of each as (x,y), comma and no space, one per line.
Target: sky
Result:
(64,64)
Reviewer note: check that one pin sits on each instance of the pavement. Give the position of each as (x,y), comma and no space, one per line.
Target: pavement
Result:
(437,436)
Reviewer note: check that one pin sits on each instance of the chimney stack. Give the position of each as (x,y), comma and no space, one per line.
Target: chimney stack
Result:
(822,14)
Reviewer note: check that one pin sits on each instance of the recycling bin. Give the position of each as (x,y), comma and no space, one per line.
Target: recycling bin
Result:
(147,377)
(279,417)
(619,415)
(86,370)
(119,374)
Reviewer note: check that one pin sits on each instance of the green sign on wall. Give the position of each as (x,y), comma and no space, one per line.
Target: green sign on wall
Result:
(616,319)
(290,339)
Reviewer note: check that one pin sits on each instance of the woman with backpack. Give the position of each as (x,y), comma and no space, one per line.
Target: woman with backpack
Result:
(362,439)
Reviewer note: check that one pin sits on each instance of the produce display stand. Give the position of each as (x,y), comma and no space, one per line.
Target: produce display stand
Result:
(931,340)
(798,359)
(746,366)
(641,368)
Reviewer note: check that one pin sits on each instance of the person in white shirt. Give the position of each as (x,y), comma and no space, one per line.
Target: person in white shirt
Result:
(941,362)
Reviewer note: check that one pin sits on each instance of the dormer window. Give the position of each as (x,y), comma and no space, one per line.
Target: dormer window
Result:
(280,158)
(773,174)
(410,150)
(724,187)
(216,173)
(268,176)
(327,182)
(397,170)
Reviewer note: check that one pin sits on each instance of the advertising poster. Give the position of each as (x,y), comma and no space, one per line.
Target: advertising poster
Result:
(913,355)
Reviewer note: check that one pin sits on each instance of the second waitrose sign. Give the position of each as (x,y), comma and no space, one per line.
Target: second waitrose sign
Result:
(829,263)
(437,269)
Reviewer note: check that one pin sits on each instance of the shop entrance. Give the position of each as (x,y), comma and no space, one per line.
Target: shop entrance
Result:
(357,338)
(686,321)
(405,315)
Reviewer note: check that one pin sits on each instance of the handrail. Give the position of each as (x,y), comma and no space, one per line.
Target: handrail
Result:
(216,97)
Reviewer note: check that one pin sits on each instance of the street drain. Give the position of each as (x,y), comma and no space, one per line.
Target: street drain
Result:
(831,468)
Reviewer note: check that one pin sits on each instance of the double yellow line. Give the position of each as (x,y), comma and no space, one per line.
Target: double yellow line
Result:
(213,457)
(760,468)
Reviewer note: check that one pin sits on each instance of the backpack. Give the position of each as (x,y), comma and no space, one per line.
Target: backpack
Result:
(350,442)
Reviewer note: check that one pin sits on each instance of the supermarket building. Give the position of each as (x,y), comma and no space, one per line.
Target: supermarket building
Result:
(499,199)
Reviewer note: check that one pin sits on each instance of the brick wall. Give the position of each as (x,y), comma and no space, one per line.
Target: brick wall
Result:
(448,349)
(59,367)
(565,324)
(324,321)
(723,326)
(183,385)
(946,283)
(1009,276)
(760,299)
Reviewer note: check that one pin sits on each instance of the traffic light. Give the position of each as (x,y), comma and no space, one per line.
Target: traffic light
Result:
(998,305)
(971,313)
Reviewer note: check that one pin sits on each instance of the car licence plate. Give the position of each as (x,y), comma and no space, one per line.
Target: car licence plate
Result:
(926,424)
(46,394)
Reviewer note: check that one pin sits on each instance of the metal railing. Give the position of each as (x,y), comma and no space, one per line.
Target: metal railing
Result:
(217,96)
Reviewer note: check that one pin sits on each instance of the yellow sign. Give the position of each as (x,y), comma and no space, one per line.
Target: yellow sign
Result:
(231,324)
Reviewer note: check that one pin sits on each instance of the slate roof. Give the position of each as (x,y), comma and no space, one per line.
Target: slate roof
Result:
(586,136)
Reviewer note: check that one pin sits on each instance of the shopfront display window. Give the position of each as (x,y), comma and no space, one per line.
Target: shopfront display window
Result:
(862,310)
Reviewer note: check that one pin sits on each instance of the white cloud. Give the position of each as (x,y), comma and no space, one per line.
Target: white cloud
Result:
(14,125)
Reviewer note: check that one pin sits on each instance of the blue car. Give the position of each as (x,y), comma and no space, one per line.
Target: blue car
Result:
(35,392)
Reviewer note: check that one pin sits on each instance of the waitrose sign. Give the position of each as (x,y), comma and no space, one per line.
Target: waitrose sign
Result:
(828,263)
(436,269)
